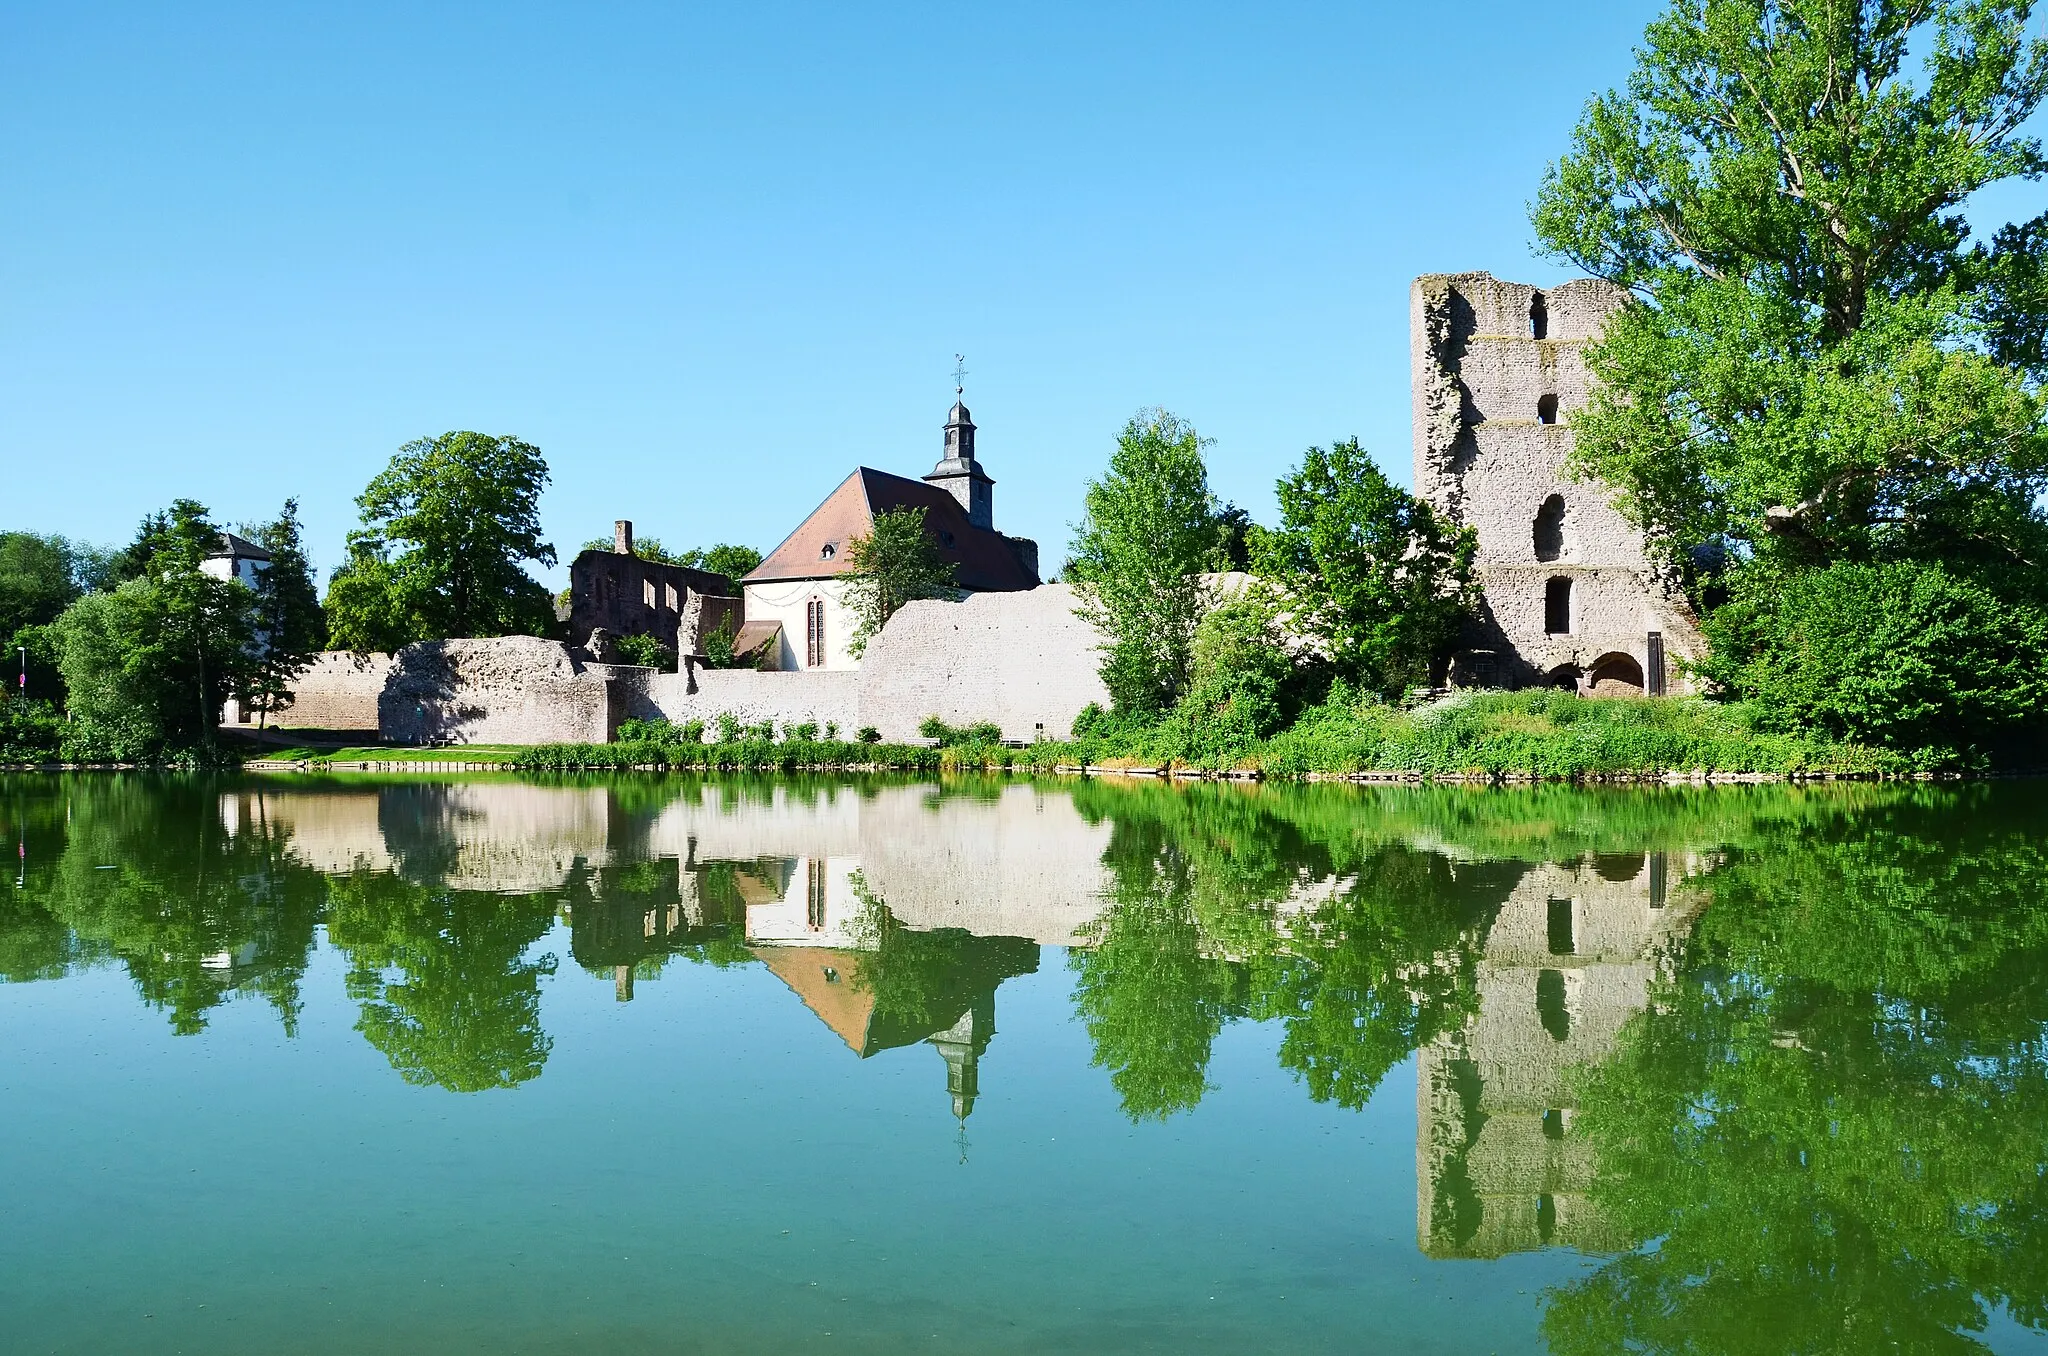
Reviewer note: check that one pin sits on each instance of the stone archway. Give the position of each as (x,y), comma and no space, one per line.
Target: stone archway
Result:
(1615,675)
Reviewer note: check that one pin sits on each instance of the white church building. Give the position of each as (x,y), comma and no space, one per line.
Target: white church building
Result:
(795,601)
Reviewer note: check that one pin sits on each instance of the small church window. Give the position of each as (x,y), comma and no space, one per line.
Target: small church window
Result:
(827,551)
(814,633)
(1546,409)
(1557,606)
(1539,318)
(945,538)
(1550,529)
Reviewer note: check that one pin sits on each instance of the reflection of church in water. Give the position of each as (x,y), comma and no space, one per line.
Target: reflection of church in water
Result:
(807,920)
(1570,958)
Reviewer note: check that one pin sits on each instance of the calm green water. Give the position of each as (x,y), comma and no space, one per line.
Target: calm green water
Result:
(675,1066)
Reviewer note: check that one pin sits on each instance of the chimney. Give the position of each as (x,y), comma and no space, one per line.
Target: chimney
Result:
(622,537)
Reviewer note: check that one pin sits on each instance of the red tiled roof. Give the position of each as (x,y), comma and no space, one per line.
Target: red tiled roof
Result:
(984,560)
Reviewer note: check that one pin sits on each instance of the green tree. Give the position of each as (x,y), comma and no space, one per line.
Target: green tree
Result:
(447,527)
(40,577)
(1818,368)
(150,664)
(1148,533)
(1905,655)
(290,624)
(1374,578)
(894,563)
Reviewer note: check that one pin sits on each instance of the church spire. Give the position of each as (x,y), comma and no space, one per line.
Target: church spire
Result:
(958,473)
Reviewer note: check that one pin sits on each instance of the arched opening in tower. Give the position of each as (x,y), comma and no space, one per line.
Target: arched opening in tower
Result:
(1550,529)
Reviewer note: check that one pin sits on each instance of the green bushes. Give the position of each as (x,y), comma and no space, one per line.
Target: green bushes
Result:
(1540,733)
(749,755)
(30,731)
(953,736)
(1907,655)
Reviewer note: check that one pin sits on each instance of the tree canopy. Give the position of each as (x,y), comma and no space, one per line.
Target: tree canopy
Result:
(1148,533)
(1820,366)
(447,529)
(1374,576)
(893,563)
(289,620)
(150,664)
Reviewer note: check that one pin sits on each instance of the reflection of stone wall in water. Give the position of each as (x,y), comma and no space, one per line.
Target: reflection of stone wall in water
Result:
(1569,960)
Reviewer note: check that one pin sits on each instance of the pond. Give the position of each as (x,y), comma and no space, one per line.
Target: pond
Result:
(675,1065)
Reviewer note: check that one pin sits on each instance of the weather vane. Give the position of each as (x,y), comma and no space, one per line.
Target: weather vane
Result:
(959,374)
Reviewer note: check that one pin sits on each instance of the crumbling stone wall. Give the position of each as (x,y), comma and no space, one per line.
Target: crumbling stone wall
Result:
(1498,369)
(1022,660)
(339,692)
(506,690)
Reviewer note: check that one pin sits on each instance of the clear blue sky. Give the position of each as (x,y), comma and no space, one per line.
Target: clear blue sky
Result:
(710,258)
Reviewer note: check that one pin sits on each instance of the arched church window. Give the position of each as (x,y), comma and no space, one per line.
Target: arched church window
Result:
(1546,409)
(814,633)
(1539,318)
(1557,606)
(1550,529)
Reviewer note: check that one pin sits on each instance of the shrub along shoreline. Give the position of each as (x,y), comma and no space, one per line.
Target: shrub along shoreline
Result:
(1543,735)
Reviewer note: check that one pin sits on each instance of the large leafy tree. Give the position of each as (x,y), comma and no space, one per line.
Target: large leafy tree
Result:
(289,620)
(150,664)
(39,577)
(1821,367)
(1148,533)
(447,529)
(893,563)
(1374,577)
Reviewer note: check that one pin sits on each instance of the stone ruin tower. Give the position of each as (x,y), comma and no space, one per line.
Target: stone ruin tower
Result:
(1571,597)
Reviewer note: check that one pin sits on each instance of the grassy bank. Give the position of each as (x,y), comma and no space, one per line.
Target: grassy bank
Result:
(1541,734)
(1521,734)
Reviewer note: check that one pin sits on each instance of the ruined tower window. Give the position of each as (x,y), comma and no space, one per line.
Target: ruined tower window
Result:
(1550,1005)
(1557,606)
(1560,928)
(1553,1123)
(814,633)
(1539,318)
(1550,542)
(1546,409)
(647,592)
(672,598)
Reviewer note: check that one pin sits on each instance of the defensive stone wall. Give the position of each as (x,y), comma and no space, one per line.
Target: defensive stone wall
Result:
(1022,660)
(339,692)
(506,690)
(818,696)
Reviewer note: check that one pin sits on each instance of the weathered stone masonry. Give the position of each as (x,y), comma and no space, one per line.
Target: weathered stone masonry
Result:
(1570,593)
(1021,659)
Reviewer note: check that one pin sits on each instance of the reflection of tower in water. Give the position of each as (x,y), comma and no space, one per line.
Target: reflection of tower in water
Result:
(1568,961)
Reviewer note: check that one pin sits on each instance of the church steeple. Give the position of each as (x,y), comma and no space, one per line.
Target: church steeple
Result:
(958,473)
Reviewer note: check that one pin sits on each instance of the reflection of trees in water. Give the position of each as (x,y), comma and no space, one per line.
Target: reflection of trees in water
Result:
(1223,905)
(1834,1122)
(149,875)
(448,990)
(924,982)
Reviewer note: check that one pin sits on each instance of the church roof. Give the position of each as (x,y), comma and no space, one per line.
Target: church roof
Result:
(232,547)
(985,561)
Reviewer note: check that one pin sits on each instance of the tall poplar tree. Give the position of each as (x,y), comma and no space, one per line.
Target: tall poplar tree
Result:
(1822,367)
(1138,556)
